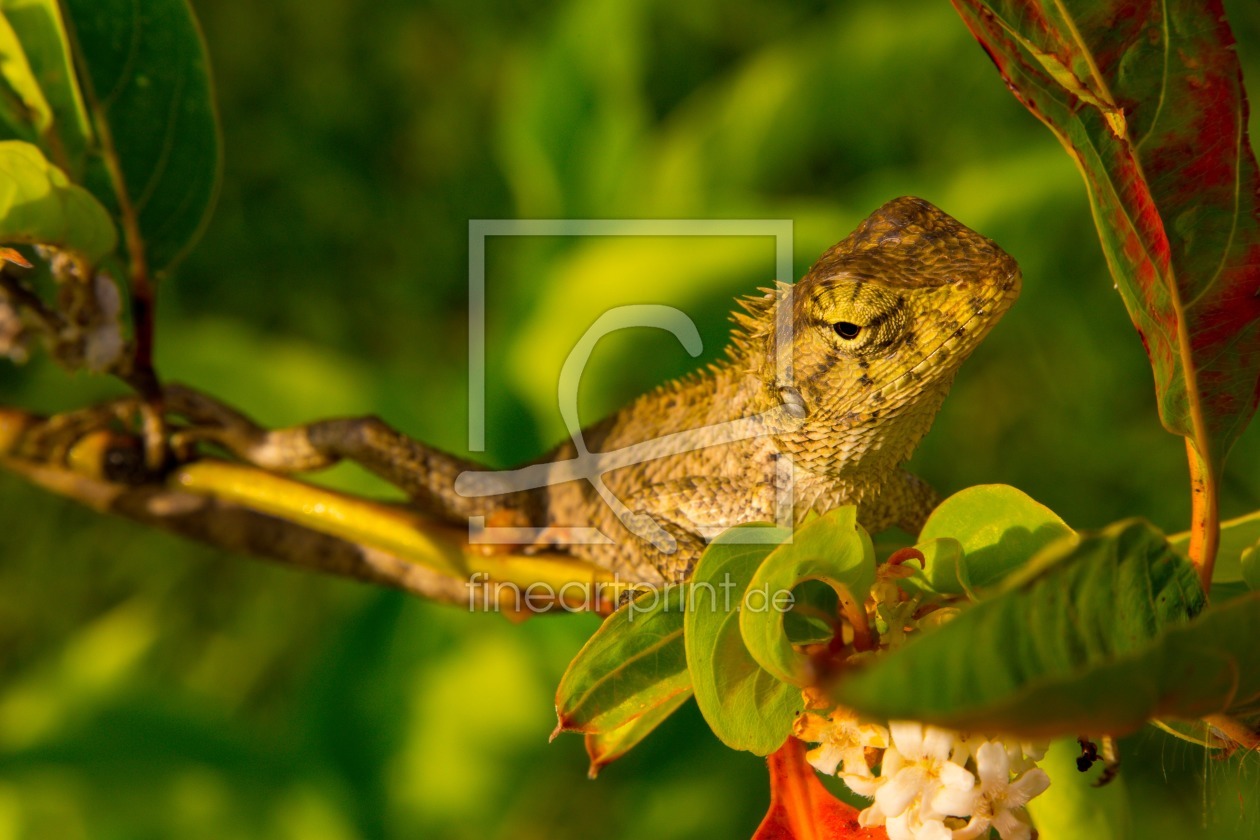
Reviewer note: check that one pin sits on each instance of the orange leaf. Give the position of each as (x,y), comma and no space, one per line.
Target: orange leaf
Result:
(801,808)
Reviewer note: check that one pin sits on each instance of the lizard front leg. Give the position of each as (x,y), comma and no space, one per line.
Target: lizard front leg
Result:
(914,500)
(693,511)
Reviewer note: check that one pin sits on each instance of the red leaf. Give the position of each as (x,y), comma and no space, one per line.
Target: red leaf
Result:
(801,808)
(1147,96)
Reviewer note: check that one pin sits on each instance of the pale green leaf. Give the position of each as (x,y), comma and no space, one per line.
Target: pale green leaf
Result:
(39,205)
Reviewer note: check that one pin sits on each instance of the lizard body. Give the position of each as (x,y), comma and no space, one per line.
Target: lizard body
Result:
(878,328)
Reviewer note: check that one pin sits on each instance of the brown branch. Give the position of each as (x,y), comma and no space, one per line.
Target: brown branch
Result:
(250,511)
(239,529)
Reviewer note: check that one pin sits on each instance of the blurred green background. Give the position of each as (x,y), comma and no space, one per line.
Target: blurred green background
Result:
(151,687)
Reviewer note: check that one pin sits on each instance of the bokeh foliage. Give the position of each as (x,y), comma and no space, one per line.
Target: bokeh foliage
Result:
(153,688)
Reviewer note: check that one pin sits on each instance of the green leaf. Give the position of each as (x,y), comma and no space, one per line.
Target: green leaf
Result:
(146,81)
(66,136)
(999,529)
(39,205)
(832,549)
(744,705)
(635,662)
(1096,642)
(606,747)
(1149,100)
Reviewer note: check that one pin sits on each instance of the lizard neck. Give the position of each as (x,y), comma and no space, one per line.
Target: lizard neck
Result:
(861,441)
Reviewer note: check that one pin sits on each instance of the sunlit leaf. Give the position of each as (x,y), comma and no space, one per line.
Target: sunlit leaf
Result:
(65,137)
(999,528)
(606,747)
(147,84)
(744,705)
(1147,96)
(832,549)
(39,205)
(1096,641)
(23,109)
(801,808)
(635,662)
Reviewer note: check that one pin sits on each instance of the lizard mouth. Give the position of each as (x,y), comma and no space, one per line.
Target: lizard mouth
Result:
(969,332)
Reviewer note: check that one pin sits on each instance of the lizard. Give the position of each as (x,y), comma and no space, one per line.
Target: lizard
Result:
(836,379)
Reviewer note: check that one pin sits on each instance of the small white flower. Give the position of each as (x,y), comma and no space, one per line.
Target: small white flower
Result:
(1024,755)
(1000,801)
(913,826)
(842,741)
(918,774)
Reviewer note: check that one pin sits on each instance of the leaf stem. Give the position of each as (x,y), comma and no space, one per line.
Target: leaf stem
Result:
(142,292)
(142,376)
(1205,520)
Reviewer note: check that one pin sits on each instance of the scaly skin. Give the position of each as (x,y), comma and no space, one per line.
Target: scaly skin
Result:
(878,328)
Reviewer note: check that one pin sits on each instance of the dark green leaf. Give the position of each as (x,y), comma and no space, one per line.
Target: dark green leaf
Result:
(635,662)
(1095,641)
(832,549)
(746,707)
(146,80)
(999,528)
(39,205)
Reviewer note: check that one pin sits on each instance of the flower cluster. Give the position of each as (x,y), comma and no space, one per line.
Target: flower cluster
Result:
(932,784)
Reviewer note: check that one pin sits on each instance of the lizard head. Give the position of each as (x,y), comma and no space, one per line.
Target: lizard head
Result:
(881,323)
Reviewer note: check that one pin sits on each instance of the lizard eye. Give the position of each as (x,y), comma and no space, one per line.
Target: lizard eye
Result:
(847,330)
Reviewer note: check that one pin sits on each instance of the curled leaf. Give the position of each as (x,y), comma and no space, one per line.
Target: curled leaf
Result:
(832,549)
